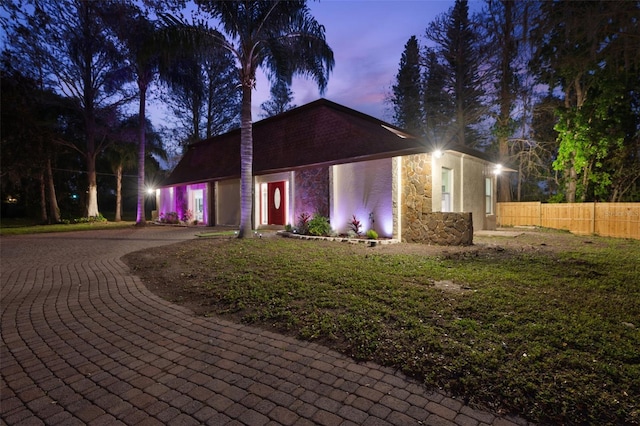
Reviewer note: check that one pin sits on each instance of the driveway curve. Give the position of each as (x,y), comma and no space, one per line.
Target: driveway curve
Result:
(84,342)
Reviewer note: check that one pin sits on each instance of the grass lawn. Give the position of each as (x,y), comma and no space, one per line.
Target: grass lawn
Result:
(25,226)
(546,326)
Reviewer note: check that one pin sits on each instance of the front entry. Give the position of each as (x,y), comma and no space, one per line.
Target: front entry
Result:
(277,203)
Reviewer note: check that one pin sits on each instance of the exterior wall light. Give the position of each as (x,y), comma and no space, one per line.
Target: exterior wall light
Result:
(498,169)
(437,153)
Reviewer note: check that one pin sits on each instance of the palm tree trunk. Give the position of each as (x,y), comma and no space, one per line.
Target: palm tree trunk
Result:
(140,218)
(246,163)
(118,217)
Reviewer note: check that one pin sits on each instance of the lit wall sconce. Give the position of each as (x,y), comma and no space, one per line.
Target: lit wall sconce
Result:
(437,153)
(498,169)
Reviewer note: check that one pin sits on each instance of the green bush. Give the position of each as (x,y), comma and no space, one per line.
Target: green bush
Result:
(372,235)
(90,219)
(319,226)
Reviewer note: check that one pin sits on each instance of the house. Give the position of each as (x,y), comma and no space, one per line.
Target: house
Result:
(325,158)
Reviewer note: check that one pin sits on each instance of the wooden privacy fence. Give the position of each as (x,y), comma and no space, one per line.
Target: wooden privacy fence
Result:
(620,220)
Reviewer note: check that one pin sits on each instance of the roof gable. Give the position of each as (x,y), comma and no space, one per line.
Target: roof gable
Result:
(319,133)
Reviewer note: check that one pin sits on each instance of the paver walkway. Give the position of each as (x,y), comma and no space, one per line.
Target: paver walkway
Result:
(84,342)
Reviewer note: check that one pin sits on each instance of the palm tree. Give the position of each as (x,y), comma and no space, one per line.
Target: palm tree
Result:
(280,36)
(122,153)
(137,35)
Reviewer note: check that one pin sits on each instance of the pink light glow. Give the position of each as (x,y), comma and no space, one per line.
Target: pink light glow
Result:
(180,198)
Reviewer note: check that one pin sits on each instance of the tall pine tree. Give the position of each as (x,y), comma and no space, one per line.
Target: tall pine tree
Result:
(407,93)
(280,101)
(437,103)
(457,44)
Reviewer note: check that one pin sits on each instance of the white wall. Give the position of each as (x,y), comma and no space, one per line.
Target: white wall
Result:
(468,185)
(361,188)
(166,200)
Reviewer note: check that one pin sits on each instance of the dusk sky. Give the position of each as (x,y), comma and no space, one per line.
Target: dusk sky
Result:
(367,38)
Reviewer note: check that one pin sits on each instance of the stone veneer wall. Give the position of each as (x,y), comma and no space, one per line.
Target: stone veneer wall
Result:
(419,223)
(416,194)
(445,229)
(311,193)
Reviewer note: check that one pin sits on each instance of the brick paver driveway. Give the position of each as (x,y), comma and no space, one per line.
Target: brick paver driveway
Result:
(84,342)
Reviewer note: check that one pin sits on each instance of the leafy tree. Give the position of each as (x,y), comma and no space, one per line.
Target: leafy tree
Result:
(407,91)
(30,137)
(589,52)
(281,97)
(458,47)
(65,40)
(280,36)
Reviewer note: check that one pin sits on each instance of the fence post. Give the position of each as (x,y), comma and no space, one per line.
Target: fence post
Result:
(593,219)
(540,213)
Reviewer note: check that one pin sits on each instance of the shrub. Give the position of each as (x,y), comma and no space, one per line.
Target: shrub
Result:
(319,226)
(355,225)
(171,217)
(372,235)
(288,227)
(187,215)
(90,219)
(303,223)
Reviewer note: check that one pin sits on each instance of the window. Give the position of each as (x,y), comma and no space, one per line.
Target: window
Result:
(488,195)
(198,205)
(447,188)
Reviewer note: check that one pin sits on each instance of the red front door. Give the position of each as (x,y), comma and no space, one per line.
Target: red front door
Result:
(277,203)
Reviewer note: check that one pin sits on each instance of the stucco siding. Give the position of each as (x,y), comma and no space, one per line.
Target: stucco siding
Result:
(361,189)
(228,202)
(467,186)
(474,190)
(166,200)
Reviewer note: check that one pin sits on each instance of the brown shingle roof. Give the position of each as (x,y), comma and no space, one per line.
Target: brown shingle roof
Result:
(319,133)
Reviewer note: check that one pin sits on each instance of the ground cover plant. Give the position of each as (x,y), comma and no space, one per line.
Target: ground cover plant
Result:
(545,325)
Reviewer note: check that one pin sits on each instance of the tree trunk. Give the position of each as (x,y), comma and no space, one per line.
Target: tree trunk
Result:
(140,217)
(506,99)
(571,175)
(54,210)
(89,99)
(92,191)
(504,188)
(118,217)
(246,164)
(571,184)
(43,200)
